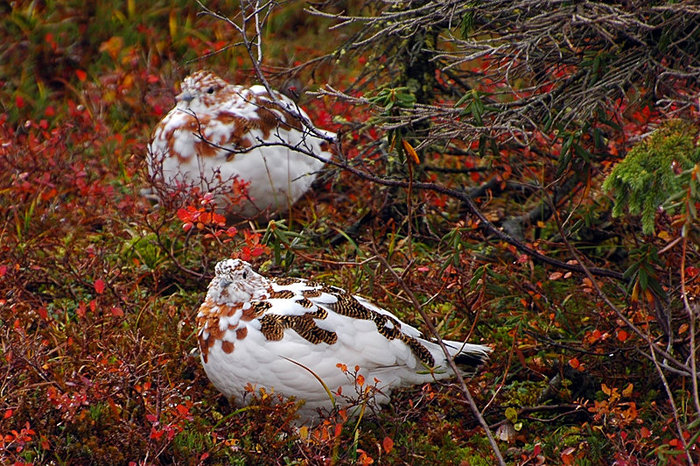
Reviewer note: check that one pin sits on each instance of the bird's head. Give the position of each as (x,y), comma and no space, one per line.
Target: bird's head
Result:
(236,282)
(201,90)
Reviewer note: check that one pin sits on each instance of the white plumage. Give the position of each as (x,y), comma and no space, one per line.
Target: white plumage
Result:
(218,132)
(273,333)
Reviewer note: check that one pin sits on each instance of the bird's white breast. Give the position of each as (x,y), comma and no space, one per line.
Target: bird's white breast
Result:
(243,137)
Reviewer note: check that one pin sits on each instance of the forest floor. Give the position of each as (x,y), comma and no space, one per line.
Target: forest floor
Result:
(99,288)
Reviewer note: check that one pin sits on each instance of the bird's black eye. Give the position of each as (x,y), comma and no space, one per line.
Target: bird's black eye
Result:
(210,90)
(245,275)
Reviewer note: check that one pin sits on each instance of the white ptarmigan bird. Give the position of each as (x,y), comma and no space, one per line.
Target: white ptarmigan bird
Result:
(219,131)
(282,333)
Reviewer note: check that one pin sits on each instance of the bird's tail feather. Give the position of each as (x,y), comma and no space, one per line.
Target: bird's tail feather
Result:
(468,354)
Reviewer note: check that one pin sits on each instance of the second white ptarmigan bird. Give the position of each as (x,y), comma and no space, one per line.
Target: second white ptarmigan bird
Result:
(219,132)
(284,334)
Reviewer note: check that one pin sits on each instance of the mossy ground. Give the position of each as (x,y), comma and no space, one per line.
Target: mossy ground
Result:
(99,288)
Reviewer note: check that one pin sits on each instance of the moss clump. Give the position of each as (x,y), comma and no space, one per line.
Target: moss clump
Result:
(652,172)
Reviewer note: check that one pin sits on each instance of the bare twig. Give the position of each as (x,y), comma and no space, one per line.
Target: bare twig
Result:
(428,322)
(559,59)
(674,410)
(468,202)
(574,409)
(621,315)
(692,314)
(253,47)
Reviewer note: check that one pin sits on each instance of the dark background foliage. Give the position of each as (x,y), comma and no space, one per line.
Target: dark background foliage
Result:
(467,193)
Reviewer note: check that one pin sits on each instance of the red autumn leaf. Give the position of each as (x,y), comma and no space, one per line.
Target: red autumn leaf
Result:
(117,311)
(82,75)
(182,410)
(99,286)
(364,458)
(48,195)
(218,219)
(3,270)
(184,215)
(82,309)
(574,362)
(567,457)
(387,444)
(244,253)
(622,335)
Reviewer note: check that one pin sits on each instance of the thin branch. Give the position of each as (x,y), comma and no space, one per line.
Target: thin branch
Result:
(250,46)
(610,304)
(692,315)
(575,409)
(428,322)
(669,394)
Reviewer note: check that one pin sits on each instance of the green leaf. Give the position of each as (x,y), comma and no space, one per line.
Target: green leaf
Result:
(511,414)
(467,24)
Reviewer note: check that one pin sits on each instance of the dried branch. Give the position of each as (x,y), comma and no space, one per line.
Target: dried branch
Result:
(573,409)
(253,46)
(681,367)
(556,62)
(474,210)
(433,331)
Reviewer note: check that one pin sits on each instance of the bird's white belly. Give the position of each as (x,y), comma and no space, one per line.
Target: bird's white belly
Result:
(276,176)
(268,364)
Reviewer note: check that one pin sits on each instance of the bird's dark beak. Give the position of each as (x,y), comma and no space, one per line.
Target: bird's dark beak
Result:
(184,97)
